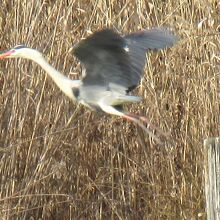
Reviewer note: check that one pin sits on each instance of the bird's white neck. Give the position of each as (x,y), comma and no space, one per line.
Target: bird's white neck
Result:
(63,82)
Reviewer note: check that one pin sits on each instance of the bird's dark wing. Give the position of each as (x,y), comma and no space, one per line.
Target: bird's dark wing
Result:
(138,43)
(105,59)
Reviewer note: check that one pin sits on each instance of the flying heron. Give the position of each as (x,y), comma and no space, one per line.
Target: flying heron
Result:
(113,67)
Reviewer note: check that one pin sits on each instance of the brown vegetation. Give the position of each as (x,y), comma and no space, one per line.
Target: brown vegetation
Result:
(61,161)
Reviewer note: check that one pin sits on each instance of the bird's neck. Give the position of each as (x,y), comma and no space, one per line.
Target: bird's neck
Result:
(63,82)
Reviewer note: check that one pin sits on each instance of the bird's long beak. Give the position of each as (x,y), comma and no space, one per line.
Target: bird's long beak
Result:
(6,54)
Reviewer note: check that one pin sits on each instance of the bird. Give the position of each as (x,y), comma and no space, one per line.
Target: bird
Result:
(113,66)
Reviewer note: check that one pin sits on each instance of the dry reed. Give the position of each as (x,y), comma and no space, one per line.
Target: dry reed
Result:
(60,161)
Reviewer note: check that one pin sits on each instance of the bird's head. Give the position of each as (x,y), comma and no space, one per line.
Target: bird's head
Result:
(21,51)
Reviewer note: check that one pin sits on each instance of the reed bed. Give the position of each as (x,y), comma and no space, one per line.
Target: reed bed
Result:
(61,161)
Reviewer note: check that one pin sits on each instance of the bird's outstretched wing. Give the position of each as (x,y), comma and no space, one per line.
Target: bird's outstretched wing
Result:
(109,58)
(105,59)
(139,42)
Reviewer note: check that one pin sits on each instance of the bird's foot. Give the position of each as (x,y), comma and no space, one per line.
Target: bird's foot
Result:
(150,128)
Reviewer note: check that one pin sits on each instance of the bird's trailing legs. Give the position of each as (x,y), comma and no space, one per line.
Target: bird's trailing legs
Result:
(136,119)
(139,119)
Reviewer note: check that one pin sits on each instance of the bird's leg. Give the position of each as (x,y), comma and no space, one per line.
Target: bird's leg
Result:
(136,120)
(111,110)
(151,126)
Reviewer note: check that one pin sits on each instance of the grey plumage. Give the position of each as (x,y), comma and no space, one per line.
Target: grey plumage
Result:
(113,62)
(140,42)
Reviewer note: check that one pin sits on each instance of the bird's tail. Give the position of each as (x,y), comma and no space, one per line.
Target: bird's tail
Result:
(122,99)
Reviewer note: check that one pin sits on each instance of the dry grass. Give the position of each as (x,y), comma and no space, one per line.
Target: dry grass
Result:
(60,161)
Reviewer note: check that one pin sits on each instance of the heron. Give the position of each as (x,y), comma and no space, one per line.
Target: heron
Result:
(112,67)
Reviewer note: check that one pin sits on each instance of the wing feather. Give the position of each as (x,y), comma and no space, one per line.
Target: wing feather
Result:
(111,59)
(139,43)
(104,59)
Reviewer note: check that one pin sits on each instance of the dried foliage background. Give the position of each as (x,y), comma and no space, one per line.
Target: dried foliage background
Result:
(60,161)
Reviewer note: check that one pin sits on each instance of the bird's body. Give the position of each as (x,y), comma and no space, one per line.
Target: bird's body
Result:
(113,68)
